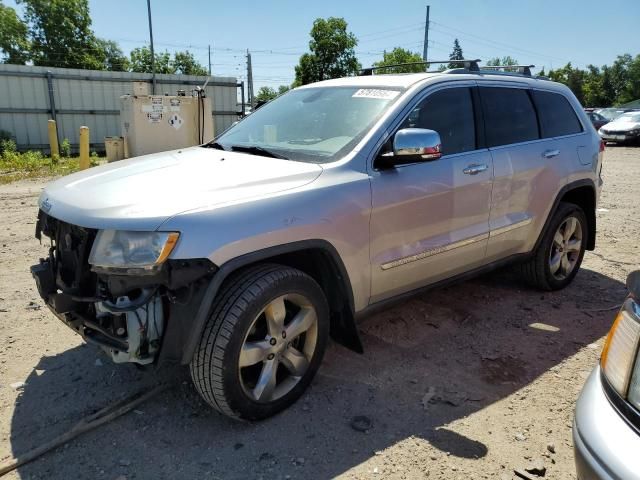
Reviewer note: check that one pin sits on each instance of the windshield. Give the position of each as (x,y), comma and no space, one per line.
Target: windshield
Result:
(610,113)
(311,124)
(629,117)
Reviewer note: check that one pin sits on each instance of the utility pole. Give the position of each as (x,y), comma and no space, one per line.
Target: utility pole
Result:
(209,60)
(153,57)
(250,81)
(426,40)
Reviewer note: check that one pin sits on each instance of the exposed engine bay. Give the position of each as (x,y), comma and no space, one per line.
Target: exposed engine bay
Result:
(126,315)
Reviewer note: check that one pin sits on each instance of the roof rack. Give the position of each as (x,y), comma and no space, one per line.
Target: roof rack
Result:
(471,65)
(521,69)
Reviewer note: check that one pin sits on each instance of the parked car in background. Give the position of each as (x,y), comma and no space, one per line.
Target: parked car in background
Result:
(625,128)
(597,120)
(613,112)
(606,428)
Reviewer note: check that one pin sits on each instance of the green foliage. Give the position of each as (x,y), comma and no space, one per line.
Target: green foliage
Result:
(14,43)
(182,62)
(400,55)
(26,162)
(602,87)
(16,166)
(331,54)
(186,64)
(65,148)
(6,141)
(111,56)
(456,54)
(504,62)
(140,61)
(266,94)
(8,145)
(61,35)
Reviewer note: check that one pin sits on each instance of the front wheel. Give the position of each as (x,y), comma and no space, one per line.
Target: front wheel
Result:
(263,343)
(559,255)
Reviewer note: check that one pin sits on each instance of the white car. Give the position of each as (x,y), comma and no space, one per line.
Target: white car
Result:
(625,128)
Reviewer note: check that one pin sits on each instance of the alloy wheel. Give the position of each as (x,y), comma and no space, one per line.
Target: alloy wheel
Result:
(566,248)
(278,348)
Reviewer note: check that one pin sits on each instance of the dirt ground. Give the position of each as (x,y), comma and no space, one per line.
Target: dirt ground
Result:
(467,382)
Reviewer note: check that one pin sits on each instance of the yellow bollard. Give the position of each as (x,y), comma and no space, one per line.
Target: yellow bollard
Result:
(53,139)
(84,148)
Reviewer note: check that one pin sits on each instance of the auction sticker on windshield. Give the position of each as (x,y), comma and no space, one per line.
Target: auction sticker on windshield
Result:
(376,93)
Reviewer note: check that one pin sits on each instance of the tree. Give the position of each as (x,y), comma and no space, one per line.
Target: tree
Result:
(400,55)
(266,94)
(186,64)
(140,61)
(572,78)
(331,54)
(111,56)
(14,43)
(456,54)
(503,62)
(61,34)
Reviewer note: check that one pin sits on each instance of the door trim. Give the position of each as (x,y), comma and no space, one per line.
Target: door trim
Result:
(434,251)
(508,228)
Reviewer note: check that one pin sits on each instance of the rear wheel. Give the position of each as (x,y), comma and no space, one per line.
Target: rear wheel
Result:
(559,255)
(263,342)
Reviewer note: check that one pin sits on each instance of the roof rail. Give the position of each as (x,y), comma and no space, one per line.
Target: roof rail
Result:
(521,69)
(471,65)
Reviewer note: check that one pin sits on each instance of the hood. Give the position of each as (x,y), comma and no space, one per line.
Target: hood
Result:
(141,193)
(621,126)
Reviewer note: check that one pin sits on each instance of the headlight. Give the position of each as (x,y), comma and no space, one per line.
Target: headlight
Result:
(131,252)
(620,361)
(635,131)
(620,348)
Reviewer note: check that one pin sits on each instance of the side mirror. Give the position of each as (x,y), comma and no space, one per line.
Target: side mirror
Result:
(411,145)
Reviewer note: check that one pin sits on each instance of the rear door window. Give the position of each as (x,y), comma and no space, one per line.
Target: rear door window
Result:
(450,113)
(509,116)
(557,116)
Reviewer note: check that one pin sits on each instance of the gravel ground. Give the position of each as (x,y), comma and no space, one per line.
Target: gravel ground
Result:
(471,381)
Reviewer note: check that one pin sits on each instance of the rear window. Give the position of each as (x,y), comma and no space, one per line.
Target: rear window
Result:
(557,116)
(509,116)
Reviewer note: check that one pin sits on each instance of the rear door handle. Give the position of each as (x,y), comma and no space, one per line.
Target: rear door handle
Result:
(550,153)
(475,168)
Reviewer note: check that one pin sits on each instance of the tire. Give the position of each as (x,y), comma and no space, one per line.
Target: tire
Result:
(244,327)
(540,271)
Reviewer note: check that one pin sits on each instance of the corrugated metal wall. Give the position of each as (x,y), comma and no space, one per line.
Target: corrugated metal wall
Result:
(91,98)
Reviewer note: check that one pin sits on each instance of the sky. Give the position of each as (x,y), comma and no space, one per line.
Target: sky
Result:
(546,33)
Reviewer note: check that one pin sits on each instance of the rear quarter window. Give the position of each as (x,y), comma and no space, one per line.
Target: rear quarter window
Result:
(557,116)
(509,116)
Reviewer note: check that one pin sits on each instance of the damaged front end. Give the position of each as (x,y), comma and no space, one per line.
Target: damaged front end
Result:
(136,314)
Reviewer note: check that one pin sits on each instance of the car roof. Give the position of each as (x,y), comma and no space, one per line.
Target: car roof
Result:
(407,80)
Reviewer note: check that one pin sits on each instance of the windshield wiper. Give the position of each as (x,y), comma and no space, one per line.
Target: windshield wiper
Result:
(215,145)
(256,150)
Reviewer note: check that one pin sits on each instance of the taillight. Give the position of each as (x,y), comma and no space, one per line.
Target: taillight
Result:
(601,146)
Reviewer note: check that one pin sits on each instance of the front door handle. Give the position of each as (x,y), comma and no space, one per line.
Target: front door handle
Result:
(550,153)
(475,168)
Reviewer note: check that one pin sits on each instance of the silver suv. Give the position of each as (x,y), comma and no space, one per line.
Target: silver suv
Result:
(241,257)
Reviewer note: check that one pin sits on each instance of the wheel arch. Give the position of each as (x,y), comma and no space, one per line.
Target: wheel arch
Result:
(583,194)
(317,258)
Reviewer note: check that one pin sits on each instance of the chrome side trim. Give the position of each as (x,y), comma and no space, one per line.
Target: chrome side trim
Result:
(508,228)
(434,251)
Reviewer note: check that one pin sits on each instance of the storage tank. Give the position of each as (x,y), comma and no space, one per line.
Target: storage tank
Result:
(156,123)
